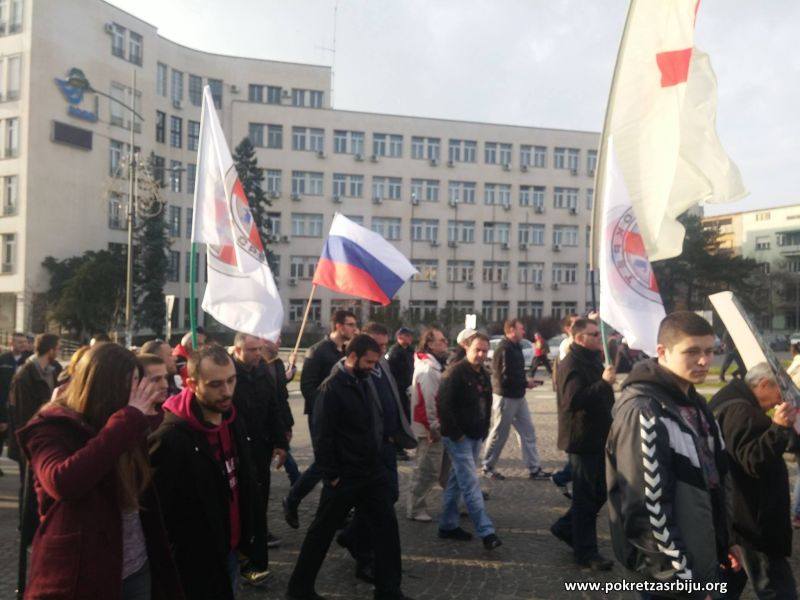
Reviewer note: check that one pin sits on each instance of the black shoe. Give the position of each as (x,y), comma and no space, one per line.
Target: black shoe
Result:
(492,474)
(562,487)
(365,573)
(307,596)
(491,541)
(290,513)
(485,495)
(272,541)
(540,475)
(455,534)
(563,536)
(596,563)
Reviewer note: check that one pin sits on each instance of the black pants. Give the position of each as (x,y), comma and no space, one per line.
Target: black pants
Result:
(771,576)
(307,481)
(588,496)
(541,360)
(372,498)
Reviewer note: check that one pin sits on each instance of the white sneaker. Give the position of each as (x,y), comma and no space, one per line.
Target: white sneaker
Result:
(422,517)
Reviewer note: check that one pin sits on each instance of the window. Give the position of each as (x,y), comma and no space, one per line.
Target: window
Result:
(565,198)
(177,86)
(189,219)
(461,192)
(426,269)
(192,135)
(256,93)
(275,136)
(504,152)
(591,162)
(311,139)
(187,270)
(117,40)
(589,198)
(562,309)
(539,157)
(158,168)
(490,153)
(531,272)
(459,271)
(315,98)
(762,216)
(763,242)
(174,221)
(459,307)
(379,144)
(175,175)
(191,176)
(274,93)
(305,182)
(16,16)
(117,212)
(173,266)
(425,148)
(215,87)
(12,138)
(425,190)
(423,311)
(496,233)
(298,138)
(115,152)
(462,151)
(462,232)
(161,79)
(530,308)
(273,180)
(10,190)
(161,126)
(135,48)
(566,158)
(387,188)
(9,243)
(345,185)
(388,227)
(565,273)
(298,97)
(297,308)
(494,310)
(306,225)
(424,230)
(531,234)
(316,139)
(175,131)
(348,142)
(565,235)
(302,267)
(396,146)
(497,193)
(13,78)
(195,90)
(525,155)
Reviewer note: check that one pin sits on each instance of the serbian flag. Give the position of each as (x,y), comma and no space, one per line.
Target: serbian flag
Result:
(359,262)
(661,114)
(241,291)
(629,298)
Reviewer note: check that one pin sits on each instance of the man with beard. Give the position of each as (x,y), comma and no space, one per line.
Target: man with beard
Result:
(348,439)
(206,482)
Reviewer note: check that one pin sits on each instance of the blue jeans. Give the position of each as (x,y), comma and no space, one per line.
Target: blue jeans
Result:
(463,480)
(291,468)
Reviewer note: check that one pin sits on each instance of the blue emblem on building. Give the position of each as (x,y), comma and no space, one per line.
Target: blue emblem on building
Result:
(74,94)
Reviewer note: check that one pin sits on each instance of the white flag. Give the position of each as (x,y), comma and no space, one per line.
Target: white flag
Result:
(241,291)
(629,297)
(661,112)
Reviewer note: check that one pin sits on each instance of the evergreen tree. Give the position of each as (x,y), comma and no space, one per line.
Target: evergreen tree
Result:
(251,176)
(151,261)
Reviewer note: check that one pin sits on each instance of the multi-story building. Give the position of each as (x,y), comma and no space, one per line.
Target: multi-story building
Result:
(495,217)
(770,236)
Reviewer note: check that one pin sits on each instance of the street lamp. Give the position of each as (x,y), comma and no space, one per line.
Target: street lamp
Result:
(77,79)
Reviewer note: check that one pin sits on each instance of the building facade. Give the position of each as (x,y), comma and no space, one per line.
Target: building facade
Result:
(495,217)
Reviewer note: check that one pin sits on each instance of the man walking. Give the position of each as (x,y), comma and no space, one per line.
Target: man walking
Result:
(585,398)
(755,444)
(348,442)
(205,479)
(464,403)
(509,407)
(320,359)
(9,363)
(401,362)
(666,467)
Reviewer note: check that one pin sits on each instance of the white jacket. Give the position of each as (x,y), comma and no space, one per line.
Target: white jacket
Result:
(424,392)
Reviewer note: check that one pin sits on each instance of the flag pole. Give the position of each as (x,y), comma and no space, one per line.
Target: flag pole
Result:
(303,324)
(192,297)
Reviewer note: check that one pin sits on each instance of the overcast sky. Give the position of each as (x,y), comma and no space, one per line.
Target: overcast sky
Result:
(525,62)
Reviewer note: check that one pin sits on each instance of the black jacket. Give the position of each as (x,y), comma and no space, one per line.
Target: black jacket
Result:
(195,498)
(401,363)
(277,371)
(8,367)
(258,407)
(29,391)
(508,370)
(584,402)
(348,429)
(320,359)
(755,447)
(465,402)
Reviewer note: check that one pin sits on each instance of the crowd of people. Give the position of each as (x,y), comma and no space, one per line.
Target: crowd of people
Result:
(147,475)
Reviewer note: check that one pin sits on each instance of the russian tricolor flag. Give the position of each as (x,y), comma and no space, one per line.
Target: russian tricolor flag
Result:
(359,262)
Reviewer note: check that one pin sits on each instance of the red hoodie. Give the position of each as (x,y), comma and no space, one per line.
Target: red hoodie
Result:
(220,439)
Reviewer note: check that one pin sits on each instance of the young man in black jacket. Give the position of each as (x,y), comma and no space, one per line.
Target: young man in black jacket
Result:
(509,384)
(464,402)
(585,398)
(348,439)
(755,444)
(320,359)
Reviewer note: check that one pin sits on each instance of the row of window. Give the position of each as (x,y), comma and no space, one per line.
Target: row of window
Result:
(10,77)
(9,137)
(275,94)
(126,44)
(176,131)
(172,81)
(311,139)
(11,12)
(8,253)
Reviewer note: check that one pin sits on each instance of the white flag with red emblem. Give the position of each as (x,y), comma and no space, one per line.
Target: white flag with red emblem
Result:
(241,292)
(629,298)
(661,114)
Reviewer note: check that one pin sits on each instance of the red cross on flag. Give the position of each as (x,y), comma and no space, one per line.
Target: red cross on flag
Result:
(661,117)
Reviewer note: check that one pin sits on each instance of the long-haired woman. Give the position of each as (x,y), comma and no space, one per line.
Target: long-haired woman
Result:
(100,532)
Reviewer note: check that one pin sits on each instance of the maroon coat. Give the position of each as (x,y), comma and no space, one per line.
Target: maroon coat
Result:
(77,550)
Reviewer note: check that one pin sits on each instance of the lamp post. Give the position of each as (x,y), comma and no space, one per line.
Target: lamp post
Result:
(77,79)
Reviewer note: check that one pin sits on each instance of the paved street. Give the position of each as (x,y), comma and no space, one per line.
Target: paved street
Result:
(530,565)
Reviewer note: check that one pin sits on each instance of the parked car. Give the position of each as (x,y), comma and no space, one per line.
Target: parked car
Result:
(527,351)
(794,338)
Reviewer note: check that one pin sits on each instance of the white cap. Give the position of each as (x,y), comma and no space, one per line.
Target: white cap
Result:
(464,334)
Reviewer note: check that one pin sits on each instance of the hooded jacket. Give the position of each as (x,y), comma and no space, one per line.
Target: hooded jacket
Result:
(424,393)
(195,491)
(666,523)
(584,402)
(755,446)
(77,549)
